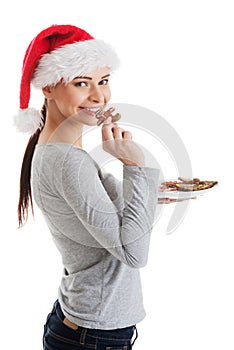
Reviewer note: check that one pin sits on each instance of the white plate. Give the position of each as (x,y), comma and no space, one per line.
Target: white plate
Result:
(184,194)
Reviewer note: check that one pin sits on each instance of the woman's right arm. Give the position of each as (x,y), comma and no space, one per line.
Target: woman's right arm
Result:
(126,233)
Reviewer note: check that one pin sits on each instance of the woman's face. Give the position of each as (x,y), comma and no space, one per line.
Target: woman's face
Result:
(82,97)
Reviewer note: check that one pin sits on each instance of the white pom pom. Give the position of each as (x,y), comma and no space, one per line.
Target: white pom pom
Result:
(28,120)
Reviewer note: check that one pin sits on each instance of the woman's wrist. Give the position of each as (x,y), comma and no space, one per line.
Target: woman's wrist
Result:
(131,163)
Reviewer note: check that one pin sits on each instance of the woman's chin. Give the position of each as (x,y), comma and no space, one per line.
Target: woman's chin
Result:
(85,118)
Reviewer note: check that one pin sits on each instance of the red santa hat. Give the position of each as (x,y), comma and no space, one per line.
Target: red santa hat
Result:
(58,52)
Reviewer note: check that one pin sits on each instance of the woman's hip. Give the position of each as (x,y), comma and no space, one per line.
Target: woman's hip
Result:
(60,334)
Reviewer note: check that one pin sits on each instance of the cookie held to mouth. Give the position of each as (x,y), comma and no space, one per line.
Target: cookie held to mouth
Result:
(102,115)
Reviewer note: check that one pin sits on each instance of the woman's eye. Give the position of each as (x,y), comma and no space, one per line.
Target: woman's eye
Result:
(81,83)
(104,82)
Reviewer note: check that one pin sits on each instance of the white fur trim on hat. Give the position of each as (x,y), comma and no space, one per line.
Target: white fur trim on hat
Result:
(28,120)
(72,60)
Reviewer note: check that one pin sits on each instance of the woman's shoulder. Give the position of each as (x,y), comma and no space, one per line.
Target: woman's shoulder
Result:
(59,149)
(63,155)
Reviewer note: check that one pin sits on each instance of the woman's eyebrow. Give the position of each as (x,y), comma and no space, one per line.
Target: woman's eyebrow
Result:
(83,77)
(105,76)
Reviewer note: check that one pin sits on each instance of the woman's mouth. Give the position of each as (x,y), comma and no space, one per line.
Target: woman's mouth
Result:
(91,110)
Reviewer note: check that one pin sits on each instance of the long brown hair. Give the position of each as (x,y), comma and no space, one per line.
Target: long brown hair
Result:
(25,193)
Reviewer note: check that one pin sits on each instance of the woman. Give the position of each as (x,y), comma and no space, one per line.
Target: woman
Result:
(101,226)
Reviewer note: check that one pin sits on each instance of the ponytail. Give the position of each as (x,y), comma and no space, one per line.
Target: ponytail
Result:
(25,196)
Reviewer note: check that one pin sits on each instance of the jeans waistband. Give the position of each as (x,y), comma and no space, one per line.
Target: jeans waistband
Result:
(57,309)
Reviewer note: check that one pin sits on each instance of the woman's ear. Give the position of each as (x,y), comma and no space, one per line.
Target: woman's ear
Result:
(48,92)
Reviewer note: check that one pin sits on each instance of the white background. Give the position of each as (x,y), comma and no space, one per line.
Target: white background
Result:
(177,59)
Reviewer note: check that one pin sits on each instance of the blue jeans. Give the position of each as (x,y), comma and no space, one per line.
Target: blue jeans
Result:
(59,336)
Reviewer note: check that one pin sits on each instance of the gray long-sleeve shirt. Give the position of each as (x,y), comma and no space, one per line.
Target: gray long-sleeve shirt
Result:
(101,227)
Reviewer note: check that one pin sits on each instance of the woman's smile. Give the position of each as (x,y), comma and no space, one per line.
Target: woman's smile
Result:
(91,110)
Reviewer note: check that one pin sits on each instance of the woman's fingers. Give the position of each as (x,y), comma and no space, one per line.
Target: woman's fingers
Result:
(127,135)
(111,131)
(117,132)
(118,142)
(107,133)
(120,133)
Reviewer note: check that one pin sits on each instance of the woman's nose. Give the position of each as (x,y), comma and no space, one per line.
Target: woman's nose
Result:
(97,95)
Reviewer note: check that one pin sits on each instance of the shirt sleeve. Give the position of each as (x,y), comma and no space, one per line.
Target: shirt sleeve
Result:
(119,215)
(114,189)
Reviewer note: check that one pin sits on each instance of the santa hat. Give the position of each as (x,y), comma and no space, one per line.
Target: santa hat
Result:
(58,52)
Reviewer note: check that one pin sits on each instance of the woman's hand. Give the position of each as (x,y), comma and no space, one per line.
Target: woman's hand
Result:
(118,142)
